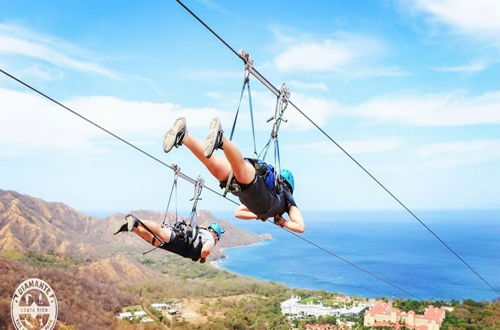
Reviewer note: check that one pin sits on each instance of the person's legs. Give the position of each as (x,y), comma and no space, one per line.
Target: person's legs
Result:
(162,233)
(244,172)
(218,166)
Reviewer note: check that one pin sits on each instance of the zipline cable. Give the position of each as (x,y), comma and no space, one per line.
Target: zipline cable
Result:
(181,175)
(186,177)
(276,91)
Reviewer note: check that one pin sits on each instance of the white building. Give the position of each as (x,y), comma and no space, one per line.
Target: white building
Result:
(293,307)
(147,320)
(160,306)
(126,315)
(140,314)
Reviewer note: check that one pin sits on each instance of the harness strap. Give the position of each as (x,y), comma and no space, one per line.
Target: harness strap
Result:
(177,171)
(228,183)
(246,83)
(198,187)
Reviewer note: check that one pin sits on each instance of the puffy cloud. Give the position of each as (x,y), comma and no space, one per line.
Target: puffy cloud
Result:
(452,109)
(472,67)
(347,53)
(478,18)
(449,154)
(31,122)
(20,41)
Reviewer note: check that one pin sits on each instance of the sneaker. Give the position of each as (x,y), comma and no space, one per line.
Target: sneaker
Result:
(132,222)
(214,138)
(175,136)
(123,228)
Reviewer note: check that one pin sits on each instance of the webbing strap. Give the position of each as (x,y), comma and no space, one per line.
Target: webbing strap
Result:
(177,171)
(198,187)
(251,118)
(228,183)
(245,82)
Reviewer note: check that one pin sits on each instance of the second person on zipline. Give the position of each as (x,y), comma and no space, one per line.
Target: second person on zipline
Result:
(262,196)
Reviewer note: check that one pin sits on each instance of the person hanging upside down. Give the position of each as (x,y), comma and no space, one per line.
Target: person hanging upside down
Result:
(253,183)
(196,244)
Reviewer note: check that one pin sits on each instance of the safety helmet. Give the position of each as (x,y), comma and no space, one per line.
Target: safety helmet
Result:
(216,228)
(288,176)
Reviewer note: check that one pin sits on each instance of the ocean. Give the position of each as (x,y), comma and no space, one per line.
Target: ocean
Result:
(389,244)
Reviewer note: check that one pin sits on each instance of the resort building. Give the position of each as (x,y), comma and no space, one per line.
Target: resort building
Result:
(293,307)
(126,315)
(383,314)
(160,306)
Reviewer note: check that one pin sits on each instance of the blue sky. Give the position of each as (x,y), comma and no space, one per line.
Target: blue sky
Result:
(409,87)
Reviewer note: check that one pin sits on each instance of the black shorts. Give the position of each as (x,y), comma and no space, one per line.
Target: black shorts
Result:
(179,246)
(259,199)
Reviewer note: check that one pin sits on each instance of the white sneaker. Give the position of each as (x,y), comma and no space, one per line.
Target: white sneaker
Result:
(214,138)
(175,136)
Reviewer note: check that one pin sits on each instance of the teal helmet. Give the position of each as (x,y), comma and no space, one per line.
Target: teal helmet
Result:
(288,177)
(216,228)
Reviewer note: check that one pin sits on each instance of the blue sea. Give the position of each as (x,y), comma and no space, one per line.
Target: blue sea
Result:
(389,244)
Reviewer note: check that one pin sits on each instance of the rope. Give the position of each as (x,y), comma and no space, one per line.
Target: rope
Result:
(276,91)
(185,177)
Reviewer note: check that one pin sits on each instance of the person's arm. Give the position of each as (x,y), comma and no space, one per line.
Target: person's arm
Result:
(296,223)
(242,212)
(205,251)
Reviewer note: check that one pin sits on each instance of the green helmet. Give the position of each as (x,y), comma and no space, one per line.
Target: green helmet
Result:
(216,228)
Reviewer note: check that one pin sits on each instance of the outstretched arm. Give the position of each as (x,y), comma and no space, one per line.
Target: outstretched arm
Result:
(296,223)
(242,212)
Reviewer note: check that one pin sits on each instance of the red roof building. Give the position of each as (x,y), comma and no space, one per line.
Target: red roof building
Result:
(382,314)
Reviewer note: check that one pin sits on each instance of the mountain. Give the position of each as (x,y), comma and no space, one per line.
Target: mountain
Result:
(118,269)
(31,224)
(86,298)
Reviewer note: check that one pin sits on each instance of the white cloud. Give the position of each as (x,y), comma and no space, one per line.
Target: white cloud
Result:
(449,154)
(354,147)
(472,67)
(475,18)
(321,56)
(19,41)
(311,86)
(346,53)
(31,122)
(451,109)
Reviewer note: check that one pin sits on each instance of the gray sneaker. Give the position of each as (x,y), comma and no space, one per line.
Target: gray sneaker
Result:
(214,138)
(175,136)
(132,222)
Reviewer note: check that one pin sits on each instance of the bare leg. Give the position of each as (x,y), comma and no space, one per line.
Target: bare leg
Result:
(218,166)
(243,170)
(162,233)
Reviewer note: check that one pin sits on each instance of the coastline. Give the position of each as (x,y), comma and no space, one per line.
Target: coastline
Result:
(217,262)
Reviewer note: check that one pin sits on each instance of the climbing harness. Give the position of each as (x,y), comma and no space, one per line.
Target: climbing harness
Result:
(186,231)
(282,102)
